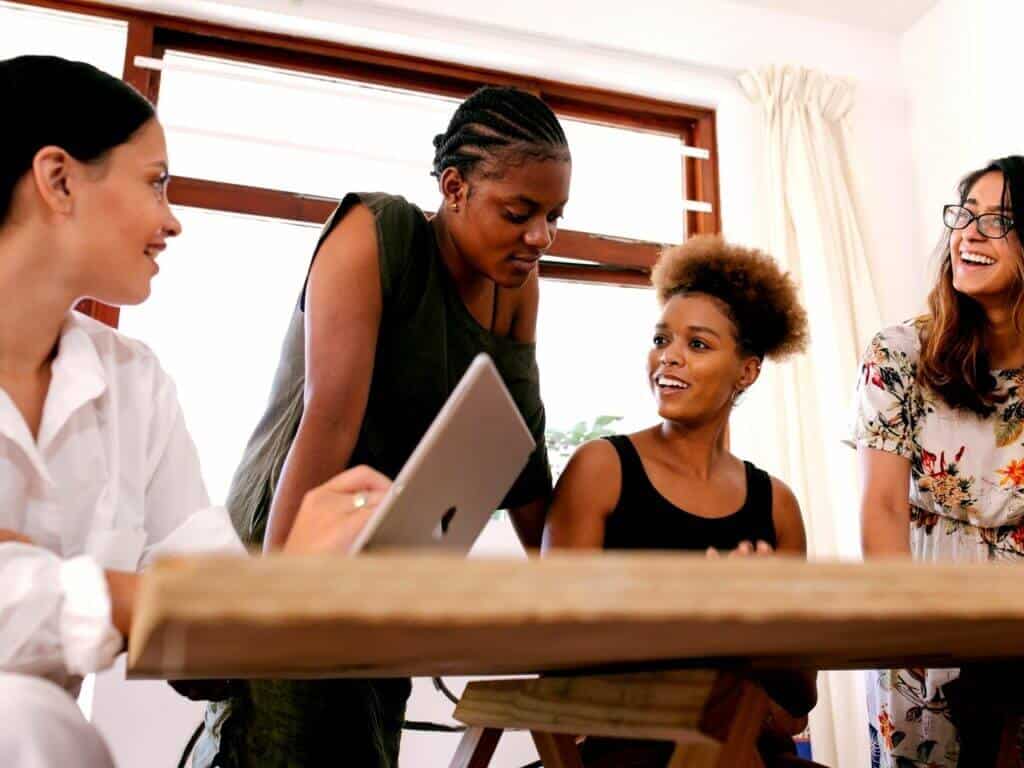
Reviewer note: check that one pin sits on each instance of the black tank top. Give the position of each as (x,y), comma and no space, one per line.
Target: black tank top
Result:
(644,519)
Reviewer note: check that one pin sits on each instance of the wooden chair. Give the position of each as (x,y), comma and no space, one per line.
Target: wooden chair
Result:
(714,718)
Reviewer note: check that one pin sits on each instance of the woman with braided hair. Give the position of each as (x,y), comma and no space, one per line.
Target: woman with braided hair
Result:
(395,307)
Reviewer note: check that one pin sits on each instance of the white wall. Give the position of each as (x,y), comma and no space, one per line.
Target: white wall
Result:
(938,61)
(960,64)
(688,51)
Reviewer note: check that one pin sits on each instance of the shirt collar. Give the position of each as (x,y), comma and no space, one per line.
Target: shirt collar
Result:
(78,377)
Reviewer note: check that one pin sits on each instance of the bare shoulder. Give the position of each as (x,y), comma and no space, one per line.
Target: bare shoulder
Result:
(789,523)
(586,494)
(783,496)
(344,302)
(592,480)
(594,456)
(354,236)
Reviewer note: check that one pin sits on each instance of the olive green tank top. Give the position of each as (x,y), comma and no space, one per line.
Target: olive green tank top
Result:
(426,341)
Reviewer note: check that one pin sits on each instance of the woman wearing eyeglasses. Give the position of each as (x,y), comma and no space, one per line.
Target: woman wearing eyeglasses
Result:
(940,411)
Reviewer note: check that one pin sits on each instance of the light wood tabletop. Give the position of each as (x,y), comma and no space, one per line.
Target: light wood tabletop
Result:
(392,615)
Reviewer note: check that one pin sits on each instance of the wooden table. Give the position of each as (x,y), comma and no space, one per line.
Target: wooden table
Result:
(396,615)
(399,615)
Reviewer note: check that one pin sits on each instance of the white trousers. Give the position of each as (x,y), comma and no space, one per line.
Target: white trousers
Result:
(41,726)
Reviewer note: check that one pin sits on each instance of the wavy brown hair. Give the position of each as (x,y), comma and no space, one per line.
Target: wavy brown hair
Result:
(954,362)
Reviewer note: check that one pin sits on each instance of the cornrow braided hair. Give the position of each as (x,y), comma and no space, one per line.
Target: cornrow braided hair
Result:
(499,120)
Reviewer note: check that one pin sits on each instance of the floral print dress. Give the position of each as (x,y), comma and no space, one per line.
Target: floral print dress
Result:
(966,504)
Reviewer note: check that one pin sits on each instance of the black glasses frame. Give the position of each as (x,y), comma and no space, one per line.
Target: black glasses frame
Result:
(981,218)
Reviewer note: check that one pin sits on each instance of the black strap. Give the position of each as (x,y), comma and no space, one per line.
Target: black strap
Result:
(421,725)
(633,473)
(758,506)
(191,745)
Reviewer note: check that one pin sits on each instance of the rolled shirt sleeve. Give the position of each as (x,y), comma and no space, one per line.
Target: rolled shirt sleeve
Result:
(55,612)
(54,615)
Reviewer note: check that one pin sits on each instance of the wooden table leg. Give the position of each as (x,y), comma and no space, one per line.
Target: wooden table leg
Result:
(740,748)
(476,748)
(734,714)
(557,750)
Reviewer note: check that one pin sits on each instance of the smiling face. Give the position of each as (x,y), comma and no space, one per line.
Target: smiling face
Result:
(986,269)
(123,218)
(696,366)
(502,223)
(103,222)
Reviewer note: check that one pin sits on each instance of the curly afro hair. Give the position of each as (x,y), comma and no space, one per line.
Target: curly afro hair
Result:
(761,299)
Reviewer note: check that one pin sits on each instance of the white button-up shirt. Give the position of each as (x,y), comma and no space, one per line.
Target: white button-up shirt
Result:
(112,481)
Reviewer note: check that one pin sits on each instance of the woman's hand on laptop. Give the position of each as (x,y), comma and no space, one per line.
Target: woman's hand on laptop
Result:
(332,515)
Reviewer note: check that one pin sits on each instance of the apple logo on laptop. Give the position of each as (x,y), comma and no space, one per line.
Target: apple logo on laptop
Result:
(441,530)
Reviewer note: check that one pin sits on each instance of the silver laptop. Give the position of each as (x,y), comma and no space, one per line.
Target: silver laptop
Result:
(459,473)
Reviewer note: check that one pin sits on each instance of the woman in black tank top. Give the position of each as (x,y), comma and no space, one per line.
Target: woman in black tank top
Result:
(644,519)
(676,485)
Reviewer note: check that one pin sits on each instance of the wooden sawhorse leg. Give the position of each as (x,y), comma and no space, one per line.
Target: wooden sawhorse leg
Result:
(476,748)
(715,719)
(557,750)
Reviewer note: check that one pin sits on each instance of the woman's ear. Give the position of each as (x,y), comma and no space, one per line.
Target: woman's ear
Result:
(51,169)
(454,188)
(749,373)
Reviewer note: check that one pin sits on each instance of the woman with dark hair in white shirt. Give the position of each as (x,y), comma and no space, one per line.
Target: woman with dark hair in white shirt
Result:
(98,473)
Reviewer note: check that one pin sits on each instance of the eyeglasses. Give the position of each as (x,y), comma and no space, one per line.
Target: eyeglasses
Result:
(994,226)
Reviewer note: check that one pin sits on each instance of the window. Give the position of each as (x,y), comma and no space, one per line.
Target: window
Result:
(30,30)
(275,126)
(592,345)
(319,136)
(626,183)
(269,128)
(219,335)
(255,138)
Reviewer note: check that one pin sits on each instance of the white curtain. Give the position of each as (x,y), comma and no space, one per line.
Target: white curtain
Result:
(809,219)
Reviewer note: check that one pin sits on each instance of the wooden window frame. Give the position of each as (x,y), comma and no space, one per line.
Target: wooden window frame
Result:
(581,256)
